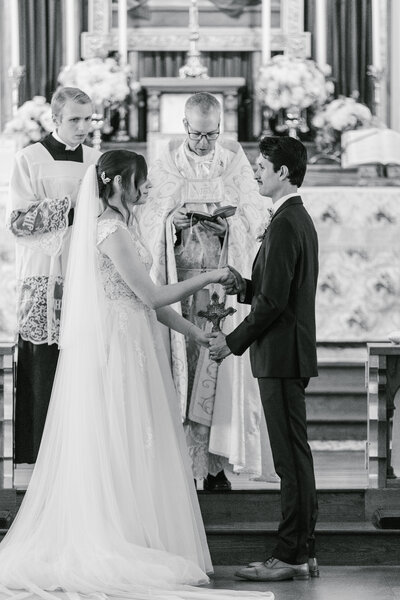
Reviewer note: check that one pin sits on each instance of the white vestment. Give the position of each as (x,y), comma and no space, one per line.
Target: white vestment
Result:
(234,414)
(40,182)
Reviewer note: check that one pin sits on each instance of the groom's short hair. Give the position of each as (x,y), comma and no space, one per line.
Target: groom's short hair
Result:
(286,151)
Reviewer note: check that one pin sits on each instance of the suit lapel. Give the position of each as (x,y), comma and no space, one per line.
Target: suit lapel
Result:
(289,202)
(254,261)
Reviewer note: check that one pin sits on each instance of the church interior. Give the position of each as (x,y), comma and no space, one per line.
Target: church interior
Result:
(328,73)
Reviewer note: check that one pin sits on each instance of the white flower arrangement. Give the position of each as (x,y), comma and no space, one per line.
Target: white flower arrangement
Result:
(342,114)
(286,82)
(102,80)
(32,121)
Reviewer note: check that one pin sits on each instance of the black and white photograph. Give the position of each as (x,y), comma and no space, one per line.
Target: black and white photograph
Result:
(199,299)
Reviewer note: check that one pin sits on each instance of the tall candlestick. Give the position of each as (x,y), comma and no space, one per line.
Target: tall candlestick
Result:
(14,33)
(320,32)
(71,34)
(123,31)
(266,30)
(376,34)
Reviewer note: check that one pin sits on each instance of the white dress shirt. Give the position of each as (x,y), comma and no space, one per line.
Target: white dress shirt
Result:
(282,200)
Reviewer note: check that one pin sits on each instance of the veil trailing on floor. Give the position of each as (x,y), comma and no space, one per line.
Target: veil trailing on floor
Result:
(80,530)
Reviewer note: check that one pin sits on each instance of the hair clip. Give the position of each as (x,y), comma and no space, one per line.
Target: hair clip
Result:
(105,179)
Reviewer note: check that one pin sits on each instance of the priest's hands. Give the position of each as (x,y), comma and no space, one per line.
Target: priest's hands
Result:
(218,348)
(217,227)
(181,220)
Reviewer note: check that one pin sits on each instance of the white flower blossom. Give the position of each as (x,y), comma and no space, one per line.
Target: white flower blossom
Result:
(103,80)
(31,122)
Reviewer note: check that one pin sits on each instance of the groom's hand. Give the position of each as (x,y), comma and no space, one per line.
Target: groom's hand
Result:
(218,348)
(236,284)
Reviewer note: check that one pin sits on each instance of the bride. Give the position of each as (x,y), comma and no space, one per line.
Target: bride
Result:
(111,507)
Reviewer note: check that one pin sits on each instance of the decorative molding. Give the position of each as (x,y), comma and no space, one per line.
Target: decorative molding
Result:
(234,39)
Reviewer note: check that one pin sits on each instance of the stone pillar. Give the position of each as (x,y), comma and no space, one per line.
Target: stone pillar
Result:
(71,50)
(394,78)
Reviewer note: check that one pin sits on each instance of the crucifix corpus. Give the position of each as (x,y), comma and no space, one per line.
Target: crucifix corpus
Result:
(216,311)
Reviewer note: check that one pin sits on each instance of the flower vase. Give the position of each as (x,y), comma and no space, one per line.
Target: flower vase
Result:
(267,114)
(292,121)
(121,135)
(97,125)
(107,127)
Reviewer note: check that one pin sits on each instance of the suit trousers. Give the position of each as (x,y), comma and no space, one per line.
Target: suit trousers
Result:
(284,406)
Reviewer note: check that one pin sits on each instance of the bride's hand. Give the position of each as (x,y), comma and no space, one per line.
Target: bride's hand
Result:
(223,276)
(199,336)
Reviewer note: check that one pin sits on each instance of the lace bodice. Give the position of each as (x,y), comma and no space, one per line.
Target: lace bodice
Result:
(114,286)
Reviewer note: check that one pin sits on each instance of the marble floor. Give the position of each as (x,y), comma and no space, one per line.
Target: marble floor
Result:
(335,583)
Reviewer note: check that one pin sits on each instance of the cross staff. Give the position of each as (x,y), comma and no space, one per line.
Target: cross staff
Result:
(216,311)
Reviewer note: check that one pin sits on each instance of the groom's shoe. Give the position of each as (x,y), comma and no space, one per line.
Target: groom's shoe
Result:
(274,570)
(217,483)
(312,566)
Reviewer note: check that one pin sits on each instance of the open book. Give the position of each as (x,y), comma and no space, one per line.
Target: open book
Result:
(222,211)
(370,146)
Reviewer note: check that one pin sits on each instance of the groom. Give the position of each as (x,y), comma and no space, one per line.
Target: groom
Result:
(280,331)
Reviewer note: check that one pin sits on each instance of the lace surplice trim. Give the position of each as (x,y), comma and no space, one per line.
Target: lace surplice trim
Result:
(42,227)
(203,461)
(33,309)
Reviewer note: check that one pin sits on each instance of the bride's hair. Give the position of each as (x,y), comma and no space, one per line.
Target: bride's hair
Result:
(124,163)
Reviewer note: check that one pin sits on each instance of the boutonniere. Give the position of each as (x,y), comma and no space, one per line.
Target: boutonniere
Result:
(264,227)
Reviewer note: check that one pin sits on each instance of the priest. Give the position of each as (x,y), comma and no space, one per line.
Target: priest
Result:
(43,191)
(220,404)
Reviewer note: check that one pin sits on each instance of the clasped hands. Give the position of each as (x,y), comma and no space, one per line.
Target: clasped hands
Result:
(233,283)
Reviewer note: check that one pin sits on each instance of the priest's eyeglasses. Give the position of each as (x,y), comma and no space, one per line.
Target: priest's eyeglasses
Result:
(197,135)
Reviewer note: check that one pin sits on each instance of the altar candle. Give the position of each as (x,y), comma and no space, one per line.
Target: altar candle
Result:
(14,30)
(70,33)
(320,32)
(376,33)
(123,31)
(266,30)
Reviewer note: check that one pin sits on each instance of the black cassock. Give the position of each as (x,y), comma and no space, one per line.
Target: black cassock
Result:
(37,362)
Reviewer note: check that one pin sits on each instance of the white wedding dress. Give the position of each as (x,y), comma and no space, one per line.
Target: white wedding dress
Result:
(111,508)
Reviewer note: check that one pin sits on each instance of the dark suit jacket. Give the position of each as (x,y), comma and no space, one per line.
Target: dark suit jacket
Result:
(280,329)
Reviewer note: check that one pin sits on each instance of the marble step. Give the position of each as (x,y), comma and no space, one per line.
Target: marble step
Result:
(348,378)
(337,430)
(347,543)
(252,506)
(331,406)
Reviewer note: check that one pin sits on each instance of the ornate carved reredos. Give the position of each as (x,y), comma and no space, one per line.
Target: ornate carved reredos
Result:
(289,38)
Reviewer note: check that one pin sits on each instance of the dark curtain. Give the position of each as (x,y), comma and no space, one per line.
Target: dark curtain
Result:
(349,45)
(219,64)
(41,46)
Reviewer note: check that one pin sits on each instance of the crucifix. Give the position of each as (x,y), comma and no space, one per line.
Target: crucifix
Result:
(215,312)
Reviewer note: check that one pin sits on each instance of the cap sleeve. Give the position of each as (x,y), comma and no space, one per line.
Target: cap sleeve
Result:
(108,226)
